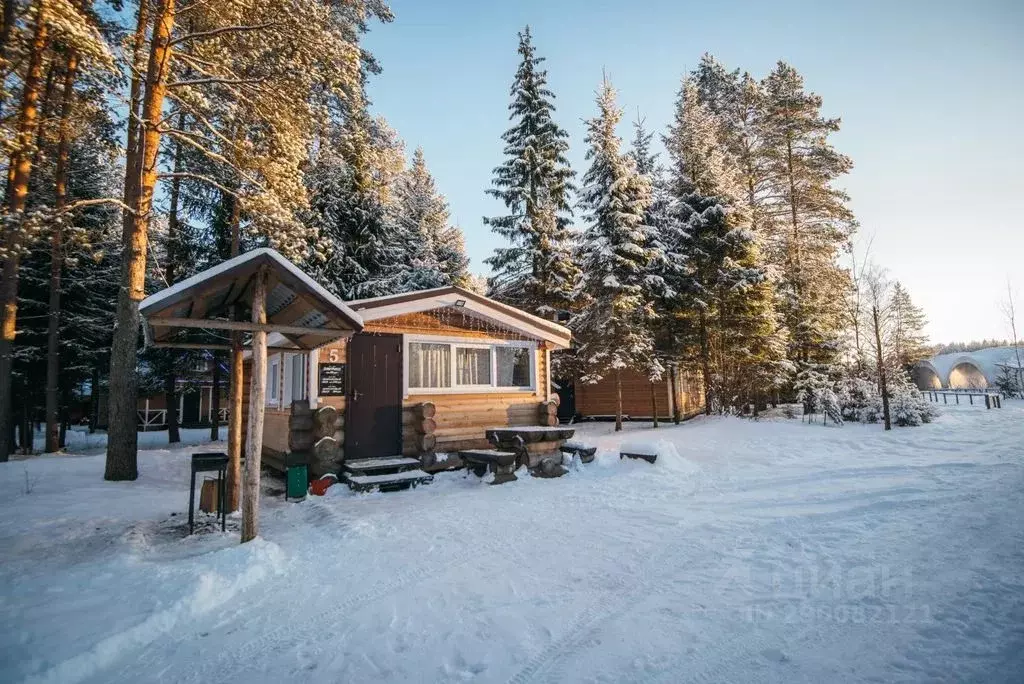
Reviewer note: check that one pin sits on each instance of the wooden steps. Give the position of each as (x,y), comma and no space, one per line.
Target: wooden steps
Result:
(387,474)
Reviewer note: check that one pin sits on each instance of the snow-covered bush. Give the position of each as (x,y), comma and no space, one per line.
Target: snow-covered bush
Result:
(907,405)
(816,392)
(859,400)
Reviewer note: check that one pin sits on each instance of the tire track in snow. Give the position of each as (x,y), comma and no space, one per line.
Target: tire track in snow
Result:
(288,632)
(610,604)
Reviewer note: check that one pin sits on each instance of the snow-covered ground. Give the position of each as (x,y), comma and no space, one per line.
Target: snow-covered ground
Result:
(751,551)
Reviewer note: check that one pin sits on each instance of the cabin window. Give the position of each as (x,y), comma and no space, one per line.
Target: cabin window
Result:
(473,366)
(429,365)
(459,365)
(513,365)
(274,379)
(294,378)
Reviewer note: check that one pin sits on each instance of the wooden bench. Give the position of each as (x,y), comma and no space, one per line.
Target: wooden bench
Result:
(501,463)
(586,453)
(646,455)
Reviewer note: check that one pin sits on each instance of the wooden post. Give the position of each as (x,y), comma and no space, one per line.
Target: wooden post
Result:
(257,401)
(957,397)
(971,397)
(235,423)
(654,405)
(945,398)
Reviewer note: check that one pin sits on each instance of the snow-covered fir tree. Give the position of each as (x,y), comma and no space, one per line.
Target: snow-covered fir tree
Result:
(614,327)
(360,252)
(435,250)
(723,304)
(537,270)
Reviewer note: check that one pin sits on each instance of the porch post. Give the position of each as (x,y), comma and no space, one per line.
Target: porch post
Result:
(257,405)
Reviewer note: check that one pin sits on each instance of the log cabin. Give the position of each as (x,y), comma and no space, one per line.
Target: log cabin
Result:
(429,373)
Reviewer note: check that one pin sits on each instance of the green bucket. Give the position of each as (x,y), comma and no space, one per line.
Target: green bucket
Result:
(297,482)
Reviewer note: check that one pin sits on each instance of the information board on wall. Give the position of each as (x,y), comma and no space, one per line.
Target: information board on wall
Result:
(332,380)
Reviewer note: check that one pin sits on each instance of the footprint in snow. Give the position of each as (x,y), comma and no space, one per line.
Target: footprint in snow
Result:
(775,655)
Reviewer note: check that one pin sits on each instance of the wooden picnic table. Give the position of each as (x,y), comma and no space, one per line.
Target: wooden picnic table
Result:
(539,441)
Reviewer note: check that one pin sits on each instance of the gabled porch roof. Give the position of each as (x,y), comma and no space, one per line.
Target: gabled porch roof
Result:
(298,308)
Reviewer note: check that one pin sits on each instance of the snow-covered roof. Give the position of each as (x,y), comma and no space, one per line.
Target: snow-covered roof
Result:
(989,362)
(472,304)
(297,306)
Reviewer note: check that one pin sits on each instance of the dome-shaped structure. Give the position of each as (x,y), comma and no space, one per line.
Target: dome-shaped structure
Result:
(976,370)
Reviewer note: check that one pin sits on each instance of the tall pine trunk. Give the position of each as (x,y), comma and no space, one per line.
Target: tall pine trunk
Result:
(53,441)
(881,368)
(171,271)
(122,437)
(19,175)
(234,475)
(654,404)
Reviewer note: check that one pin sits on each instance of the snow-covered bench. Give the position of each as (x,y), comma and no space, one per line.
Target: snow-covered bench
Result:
(647,452)
(585,452)
(501,463)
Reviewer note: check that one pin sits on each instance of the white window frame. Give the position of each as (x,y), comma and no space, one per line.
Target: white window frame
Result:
(468,343)
(274,371)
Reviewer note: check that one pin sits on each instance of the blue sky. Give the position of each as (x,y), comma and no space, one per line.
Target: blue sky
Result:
(931,94)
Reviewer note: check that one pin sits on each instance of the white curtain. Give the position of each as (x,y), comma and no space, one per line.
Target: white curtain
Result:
(474,366)
(429,365)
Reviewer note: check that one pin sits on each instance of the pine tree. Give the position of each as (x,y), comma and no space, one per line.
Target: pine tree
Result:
(435,251)
(723,302)
(810,214)
(614,327)
(537,272)
(908,321)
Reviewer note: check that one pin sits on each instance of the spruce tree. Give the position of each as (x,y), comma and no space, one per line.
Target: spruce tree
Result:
(723,302)
(434,249)
(537,271)
(908,321)
(614,326)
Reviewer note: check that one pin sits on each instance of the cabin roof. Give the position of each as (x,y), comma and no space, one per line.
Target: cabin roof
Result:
(298,308)
(471,304)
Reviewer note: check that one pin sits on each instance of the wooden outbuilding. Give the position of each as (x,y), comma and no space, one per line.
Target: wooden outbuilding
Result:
(429,373)
(677,396)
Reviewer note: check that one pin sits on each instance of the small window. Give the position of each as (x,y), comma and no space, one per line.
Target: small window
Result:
(473,366)
(513,366)
(298,377)
(430,365)
(274,380)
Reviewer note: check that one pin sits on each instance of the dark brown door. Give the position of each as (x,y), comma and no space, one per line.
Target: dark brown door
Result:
(373,427)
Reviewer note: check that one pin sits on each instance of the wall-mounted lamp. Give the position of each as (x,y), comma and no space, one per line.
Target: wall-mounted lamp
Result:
(460,303)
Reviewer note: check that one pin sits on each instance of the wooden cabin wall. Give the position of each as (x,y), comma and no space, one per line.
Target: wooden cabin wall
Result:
(600,399)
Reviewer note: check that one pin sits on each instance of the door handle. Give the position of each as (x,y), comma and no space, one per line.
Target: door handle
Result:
(356,394)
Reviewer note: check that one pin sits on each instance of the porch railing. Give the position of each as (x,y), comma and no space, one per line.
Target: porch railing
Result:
(152,418)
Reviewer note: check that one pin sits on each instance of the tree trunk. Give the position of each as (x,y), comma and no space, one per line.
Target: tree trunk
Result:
(881,368)
(215,400)
(171,398)
(705,364)
(53,441)
(257,401)
(5,37)
(94,398)
(235,397)
(674,383)
(122,438)
(618,400)
(20,172)
(654,404)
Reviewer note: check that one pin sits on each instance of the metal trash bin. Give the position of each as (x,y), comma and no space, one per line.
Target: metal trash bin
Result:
(296,481)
